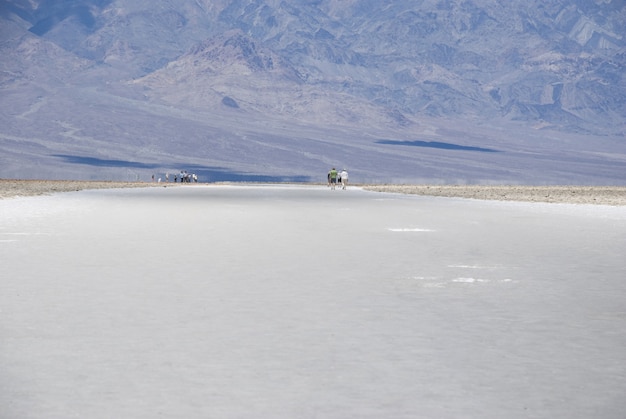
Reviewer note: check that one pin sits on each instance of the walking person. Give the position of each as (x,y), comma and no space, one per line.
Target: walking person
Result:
(344,178)
(333,178)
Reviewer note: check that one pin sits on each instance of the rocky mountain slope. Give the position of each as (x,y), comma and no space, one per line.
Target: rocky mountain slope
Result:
(257,86)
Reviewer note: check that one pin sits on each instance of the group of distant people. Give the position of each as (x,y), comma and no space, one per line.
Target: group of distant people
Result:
(335,177)
(184,177)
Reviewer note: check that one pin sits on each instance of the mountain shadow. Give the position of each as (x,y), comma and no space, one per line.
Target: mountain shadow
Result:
(438,144)
(204,173)
(94,161)
(51,13)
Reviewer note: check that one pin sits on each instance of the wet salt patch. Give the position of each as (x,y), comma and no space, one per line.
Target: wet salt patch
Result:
(584,210)
(20,234)
(38,207)
(26,234)
(410,229)
(475,280)
(472,267)
(438,282)
(434,285)
(470,280)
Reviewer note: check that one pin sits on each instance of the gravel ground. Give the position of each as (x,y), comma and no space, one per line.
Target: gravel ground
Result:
(599,195)
(15,188)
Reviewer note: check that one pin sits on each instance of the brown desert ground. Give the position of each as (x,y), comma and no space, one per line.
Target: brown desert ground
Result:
(10,188)
(598,195)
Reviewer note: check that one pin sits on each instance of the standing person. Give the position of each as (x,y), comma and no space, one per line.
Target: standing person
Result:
(328,178)
(333,178)
(344,178)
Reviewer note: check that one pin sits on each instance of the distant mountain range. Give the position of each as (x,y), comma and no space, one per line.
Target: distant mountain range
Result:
(279,90)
